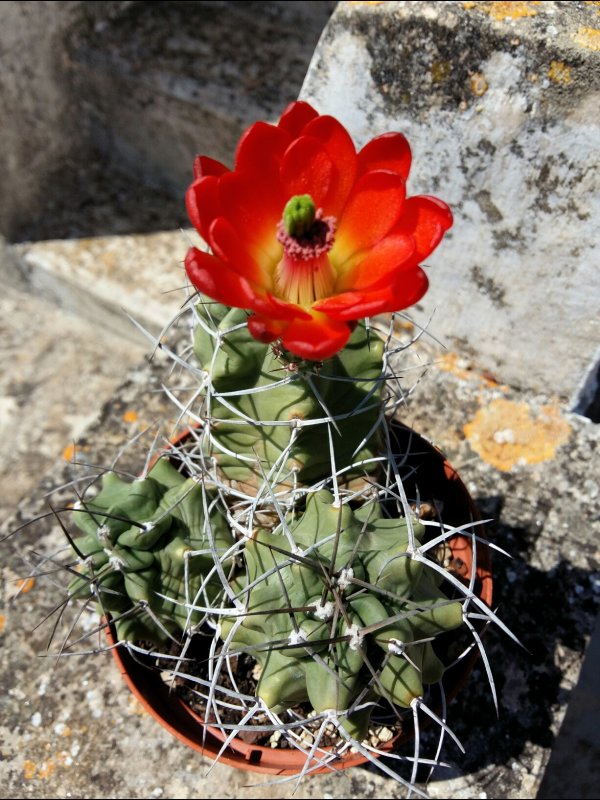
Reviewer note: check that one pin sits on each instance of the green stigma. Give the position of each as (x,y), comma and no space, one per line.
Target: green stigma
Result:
(299,215)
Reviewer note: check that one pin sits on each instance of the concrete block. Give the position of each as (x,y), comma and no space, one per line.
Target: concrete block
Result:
(105,278)
(500,104)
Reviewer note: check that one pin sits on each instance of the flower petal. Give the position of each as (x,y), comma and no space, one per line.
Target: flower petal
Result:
(408,288)
(280,309)
(295,117)
(338,145)
(202,203)
(264,329)
(203,166)
(372,210)
(227,246)
(272,307)
(390,151)
(380,264)
(316,339)
(253,208)
(306,168)
(214,278)
(426,219)
(260,150)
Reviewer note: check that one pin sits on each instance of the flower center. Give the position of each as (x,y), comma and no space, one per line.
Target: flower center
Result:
(305,274)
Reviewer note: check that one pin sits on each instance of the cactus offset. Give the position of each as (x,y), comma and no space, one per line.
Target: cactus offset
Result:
(314,610)
(148,552)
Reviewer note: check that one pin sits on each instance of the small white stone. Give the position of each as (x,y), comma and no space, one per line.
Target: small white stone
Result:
(385,735)
(504,436)
(36,719)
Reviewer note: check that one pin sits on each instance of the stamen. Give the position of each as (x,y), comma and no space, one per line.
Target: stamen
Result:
(305,273)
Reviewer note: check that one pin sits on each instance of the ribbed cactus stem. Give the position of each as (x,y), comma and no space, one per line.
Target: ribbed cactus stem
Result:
(266,411)
(358,565)
(146,553)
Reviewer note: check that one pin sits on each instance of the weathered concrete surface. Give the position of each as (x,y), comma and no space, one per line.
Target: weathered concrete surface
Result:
(91,92)
(500,104)
(41,133)
(102,277)
(194,75)
(67,343)
(71,728)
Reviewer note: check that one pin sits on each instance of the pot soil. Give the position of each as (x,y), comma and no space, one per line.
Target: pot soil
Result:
(422,465)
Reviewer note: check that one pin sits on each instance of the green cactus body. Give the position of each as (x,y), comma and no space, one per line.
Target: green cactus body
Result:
(239,364)
(313,616)
(136,537)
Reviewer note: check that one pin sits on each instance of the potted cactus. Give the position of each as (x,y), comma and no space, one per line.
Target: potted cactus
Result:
(284,575)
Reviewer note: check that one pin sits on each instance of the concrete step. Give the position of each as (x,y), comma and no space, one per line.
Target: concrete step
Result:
(67,340)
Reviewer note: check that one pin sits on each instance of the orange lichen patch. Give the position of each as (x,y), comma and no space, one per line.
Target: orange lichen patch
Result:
(25,585)
(505,433)
(29,769)
(2,622)
(135,708)
(463,369)
(69,452)
(559,72)
(130,416)
(63,758)
(479,85)
(46,769)
(588,38)
(506,10)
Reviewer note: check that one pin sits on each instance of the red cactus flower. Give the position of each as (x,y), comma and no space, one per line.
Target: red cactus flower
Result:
(309,235)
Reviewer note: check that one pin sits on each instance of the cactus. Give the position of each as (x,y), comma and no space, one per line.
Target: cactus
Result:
(314,612)
(148,551)
(254,392)
(280,528)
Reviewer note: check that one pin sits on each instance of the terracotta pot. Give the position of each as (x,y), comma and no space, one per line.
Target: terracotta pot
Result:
(437,479)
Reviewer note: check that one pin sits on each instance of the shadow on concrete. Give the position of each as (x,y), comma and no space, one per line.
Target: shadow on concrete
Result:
(151,84)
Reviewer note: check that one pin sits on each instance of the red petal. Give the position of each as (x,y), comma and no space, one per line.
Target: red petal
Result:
(408,288)
(371,212)
(214,278)
(295,117)
(226,245)
(353,305)
(253,208)
(264,330)
(390,151)
(202,203)
(378,265)
(203,166)
(260,149)
(338,145)
(281,309)
(307,169)
(316,339)
(426,219)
